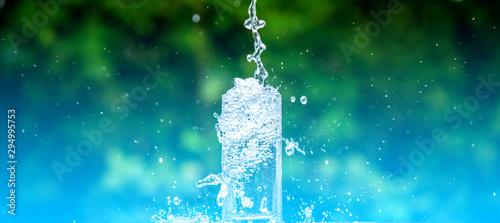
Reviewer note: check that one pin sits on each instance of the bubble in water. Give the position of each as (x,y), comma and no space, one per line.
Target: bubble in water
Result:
(303,99)
(196,18)
(263,205)
(141,45)
(127,52)
(259,189)
(220,201)
(246,202)
(292,99)
(177,201)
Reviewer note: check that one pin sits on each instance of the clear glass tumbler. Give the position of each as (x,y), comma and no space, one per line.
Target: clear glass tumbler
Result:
(249,129)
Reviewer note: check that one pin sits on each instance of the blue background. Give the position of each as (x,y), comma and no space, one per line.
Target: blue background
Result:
(415,76)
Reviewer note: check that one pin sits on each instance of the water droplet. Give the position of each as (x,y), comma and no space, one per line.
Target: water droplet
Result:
(196,18)
(291,146)
(160,160)
(303,99)
(292,99)
(177,201)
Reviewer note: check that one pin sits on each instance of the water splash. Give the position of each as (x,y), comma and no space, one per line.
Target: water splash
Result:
(212,179)
(291,146)
(308,214)
(249,129)
(254,24)
(167,217)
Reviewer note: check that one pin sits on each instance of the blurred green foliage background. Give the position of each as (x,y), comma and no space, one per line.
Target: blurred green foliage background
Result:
(83,61)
